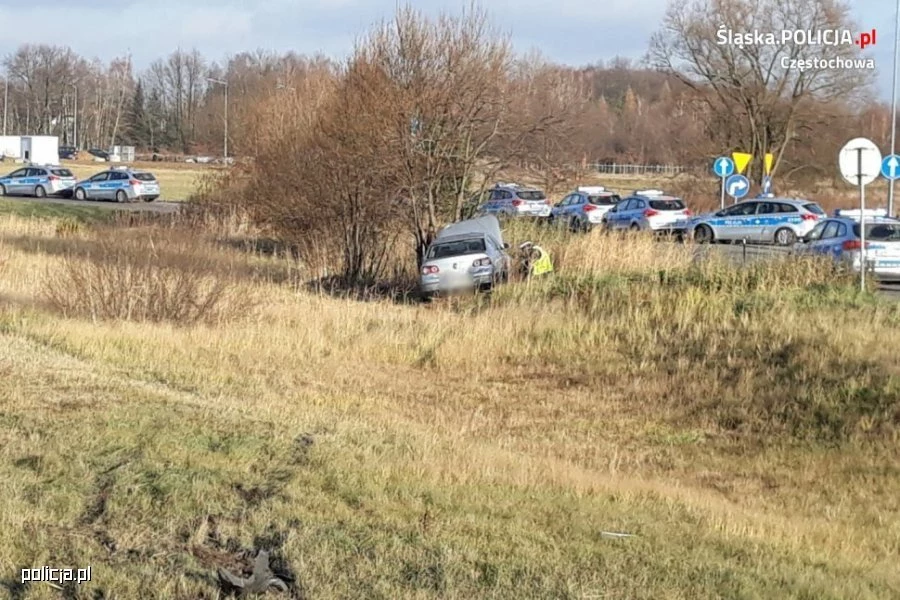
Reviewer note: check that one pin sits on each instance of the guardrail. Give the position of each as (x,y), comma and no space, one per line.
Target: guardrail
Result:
(626,169)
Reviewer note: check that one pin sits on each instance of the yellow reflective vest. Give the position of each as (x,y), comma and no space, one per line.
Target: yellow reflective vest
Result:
(543,264)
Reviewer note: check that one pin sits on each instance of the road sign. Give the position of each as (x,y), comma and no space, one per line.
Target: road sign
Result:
(723,166)
(860,161)
(890,167)
(737,186)
(769,160)
(860,164)
(741,160)
(767,185)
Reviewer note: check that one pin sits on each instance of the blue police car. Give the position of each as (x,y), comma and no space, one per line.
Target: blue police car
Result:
(761,220)
(840,238)
(121,184)
(39,181)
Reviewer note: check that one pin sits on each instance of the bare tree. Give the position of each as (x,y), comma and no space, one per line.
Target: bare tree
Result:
(761,93)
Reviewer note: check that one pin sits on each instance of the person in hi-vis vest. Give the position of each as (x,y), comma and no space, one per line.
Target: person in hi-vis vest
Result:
(534,260)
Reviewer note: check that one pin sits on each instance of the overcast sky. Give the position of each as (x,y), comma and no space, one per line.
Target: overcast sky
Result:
(576,32)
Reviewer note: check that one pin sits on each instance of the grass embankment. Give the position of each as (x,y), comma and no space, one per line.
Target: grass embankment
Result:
(741,424)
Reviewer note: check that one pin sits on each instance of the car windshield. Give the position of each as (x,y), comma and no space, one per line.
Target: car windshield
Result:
(880,232)
(144,176)
(814,208)
(607,200)
(62,172)
(531,195)
(458,248)
(666,204)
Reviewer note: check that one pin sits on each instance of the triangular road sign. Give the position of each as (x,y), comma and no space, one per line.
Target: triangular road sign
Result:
(741,160)
(770,158)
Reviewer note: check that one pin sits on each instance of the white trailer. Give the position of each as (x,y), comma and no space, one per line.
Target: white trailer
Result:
(40,149)
(11,147)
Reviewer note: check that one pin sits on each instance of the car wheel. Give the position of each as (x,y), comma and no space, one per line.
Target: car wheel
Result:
(785,237)
(80,194)
(121,196)
(2,191)
(703,234)
(634,227)
(40,192)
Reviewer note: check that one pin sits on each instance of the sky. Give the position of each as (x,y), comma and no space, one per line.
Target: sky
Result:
(575,32)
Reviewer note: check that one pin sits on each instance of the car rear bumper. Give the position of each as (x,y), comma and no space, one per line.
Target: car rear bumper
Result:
(438,284)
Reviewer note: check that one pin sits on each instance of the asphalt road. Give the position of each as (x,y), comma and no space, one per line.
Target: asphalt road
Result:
(157,206)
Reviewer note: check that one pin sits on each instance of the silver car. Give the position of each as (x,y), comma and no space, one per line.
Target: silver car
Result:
(771,220)
(584,208)
(38,181)
(840,238)
(469,255)
(119,184)
(649,210)
(513,200)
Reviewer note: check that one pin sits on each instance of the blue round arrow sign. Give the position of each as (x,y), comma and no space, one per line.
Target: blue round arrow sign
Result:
(723,166)
(737,186)
(890,166)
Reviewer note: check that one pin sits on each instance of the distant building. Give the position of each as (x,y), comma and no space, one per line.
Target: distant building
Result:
(37,149)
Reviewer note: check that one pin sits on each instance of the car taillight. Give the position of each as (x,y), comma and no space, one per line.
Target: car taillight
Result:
(810,217)
(482,262)
(853,245)
(53,178)
(650,212)
(688,212)
(430,270)
(547,202)
(134,182)
(589,207)
(517,203)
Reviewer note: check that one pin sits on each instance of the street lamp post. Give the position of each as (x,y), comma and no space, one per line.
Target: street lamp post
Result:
(894,107)
(5,101)
(74,116)
(225,85)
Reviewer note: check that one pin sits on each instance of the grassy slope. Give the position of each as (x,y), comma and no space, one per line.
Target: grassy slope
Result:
(153,452)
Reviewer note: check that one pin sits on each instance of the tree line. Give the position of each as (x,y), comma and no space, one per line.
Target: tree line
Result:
(352,157)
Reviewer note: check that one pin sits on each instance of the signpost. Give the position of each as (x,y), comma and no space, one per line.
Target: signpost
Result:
(723,167)
(860,163)
(737,186)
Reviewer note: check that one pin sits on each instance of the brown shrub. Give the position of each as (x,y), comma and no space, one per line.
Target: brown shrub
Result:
(132,279)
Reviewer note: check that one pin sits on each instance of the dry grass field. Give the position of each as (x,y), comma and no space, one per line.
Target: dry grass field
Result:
(741,425)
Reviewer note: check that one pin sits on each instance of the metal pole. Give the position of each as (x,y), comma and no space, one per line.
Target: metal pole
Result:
(226,119)
(6,101)
(862,222)
(894,107)
(722,199)
(75,120)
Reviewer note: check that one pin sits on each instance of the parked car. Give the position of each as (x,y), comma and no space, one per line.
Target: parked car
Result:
(840,238)
(649,210)
(774,220)
(584,208)
(97,153)
(120,184)
(469,255)
(513,200)
(39,181)
(68,152)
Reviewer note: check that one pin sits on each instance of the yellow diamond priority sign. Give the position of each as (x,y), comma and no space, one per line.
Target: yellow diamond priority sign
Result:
(741,160)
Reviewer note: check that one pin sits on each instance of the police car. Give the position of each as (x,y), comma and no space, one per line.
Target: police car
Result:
(584,208)
(513,200)
(840,238)
(648,210)
(782,221)
(39,181)
(121,184)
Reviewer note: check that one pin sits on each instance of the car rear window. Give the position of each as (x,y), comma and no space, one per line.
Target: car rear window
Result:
(460,248)
(666,204)
(787,208)
(144,176)
(62,172)
(603,200)
(881,232)
(814,208)
(532,195)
